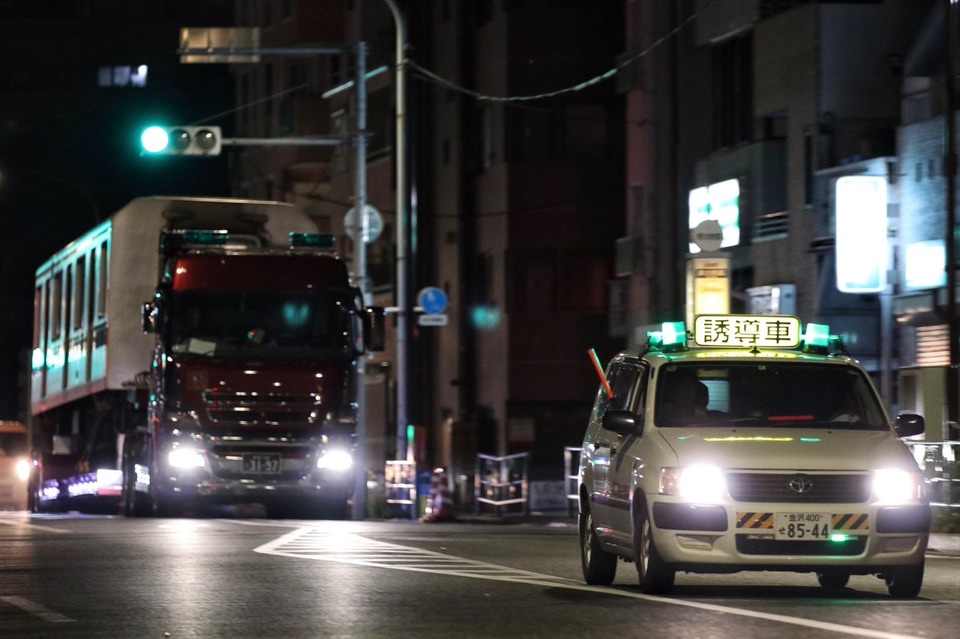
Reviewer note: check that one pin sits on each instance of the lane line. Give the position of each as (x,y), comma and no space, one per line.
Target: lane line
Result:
(25,523)
(350,548)
(36,609)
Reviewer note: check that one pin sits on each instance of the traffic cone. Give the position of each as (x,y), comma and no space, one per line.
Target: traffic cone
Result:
(441,502)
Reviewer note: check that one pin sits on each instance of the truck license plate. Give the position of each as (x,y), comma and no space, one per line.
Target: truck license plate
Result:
(803,526)
(261,463)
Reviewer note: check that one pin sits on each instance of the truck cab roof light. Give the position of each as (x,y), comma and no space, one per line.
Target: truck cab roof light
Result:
(313,240)
(172,241)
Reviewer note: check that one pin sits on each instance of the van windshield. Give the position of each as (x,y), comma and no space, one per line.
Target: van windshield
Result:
(799,394)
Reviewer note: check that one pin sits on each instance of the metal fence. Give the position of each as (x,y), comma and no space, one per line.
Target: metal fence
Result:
(938,461)
(502,484)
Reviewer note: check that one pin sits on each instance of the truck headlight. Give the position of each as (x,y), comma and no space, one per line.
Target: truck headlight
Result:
(698,483)
(891,485)
(336,460)
(185,458)
(23,469)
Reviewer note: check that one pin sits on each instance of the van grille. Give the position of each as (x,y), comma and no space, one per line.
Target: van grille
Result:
(799,488)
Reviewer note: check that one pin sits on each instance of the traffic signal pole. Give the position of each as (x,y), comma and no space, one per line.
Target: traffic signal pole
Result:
(232,54)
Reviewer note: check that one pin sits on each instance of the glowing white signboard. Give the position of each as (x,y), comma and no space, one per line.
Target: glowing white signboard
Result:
(762,331)
(861,240)
(719,202)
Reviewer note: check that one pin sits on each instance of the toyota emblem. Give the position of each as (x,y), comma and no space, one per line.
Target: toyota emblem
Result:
(800,485)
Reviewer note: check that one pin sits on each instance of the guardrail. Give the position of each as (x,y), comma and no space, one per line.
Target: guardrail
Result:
(571,473)
(503,484)
(938,461)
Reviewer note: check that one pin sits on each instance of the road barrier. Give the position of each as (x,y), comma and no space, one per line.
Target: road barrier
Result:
(938,461)
(502,484)
(571,475)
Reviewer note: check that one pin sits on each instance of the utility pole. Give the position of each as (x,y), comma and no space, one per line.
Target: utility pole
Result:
(950,170)
(203,45)
(403,297)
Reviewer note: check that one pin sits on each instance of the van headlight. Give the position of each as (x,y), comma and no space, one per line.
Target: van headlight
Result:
(892,485)
(700,483)
(335,460)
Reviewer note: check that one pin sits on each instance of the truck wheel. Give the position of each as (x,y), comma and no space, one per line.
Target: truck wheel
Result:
(654,576)
(904,581)
(132,503)
(599,566)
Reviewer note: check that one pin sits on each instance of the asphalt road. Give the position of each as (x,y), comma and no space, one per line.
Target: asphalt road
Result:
(86,577)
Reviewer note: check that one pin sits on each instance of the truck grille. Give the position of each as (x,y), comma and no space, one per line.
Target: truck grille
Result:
(799,488)
(262,408)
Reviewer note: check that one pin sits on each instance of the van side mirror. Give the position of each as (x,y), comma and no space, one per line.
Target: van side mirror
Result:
(623,422)
(909,425)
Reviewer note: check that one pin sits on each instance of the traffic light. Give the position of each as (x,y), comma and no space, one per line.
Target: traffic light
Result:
(181,140)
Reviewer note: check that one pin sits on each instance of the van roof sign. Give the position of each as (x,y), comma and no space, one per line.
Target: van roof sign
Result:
(761,331)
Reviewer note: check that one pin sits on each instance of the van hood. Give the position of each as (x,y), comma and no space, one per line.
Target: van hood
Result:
(792,449)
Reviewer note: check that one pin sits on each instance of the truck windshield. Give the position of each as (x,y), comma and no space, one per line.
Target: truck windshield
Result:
(801,394)
(13,443)
(239,323)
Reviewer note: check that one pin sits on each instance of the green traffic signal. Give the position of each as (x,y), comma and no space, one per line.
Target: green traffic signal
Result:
(154,139)
(181,140)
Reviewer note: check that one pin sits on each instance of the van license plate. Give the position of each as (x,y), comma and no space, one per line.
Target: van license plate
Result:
(803,526)
(261,463)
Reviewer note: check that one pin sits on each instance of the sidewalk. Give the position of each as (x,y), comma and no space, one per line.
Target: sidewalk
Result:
(944,544)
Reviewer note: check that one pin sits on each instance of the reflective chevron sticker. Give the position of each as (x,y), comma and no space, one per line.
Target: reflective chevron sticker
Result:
(842,522)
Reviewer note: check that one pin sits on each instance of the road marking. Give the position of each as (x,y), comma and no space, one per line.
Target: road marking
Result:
(24,523)
(36,609)
(315,544)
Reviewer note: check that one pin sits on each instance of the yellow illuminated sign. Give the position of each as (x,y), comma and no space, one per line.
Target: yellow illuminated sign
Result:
(760,331)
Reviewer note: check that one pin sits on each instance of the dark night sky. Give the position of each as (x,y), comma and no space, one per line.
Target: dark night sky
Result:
(69,148)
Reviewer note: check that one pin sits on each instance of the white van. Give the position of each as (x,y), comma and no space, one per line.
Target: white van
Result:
(746,445)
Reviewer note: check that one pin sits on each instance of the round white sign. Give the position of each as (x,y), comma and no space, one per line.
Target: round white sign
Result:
(707,235)
(373,220)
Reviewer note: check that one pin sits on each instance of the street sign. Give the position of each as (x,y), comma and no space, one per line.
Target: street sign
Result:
(432,300)
(373,220)
(432,320)
(708,235)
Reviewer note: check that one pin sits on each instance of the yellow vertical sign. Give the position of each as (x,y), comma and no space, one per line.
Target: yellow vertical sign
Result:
(708,286)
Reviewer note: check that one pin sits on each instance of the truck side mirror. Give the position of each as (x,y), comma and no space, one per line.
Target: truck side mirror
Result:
(148,317)
(375,328)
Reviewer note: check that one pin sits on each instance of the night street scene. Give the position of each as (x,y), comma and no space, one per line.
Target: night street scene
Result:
(512,295)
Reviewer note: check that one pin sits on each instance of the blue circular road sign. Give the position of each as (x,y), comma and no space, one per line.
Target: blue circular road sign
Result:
(432,300)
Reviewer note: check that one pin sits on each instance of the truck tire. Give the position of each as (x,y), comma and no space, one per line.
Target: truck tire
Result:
(132,503)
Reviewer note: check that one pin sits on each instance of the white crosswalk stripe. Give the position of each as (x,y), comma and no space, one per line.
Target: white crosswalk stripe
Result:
(349,548)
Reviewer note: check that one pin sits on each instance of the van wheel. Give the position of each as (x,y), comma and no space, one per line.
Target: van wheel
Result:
(655,577)
(904,581)
(599,566)
(833,580)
